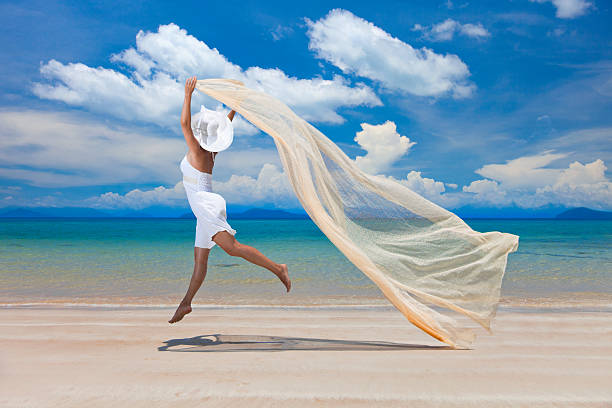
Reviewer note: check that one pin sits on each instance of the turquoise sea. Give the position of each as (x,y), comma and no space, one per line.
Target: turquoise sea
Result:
(149,261)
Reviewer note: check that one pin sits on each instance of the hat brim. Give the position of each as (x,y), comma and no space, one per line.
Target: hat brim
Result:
(224,130)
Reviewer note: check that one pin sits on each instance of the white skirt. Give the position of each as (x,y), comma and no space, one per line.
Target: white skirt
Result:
(208,207)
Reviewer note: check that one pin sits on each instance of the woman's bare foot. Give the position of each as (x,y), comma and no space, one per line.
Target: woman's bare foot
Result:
(284,276)
(181,311)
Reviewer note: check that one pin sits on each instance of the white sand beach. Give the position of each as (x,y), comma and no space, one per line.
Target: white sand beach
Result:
(294,357)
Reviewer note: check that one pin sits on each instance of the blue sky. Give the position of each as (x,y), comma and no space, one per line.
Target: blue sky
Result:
(486,108)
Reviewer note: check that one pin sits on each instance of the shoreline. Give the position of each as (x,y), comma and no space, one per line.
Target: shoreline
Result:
(569,303)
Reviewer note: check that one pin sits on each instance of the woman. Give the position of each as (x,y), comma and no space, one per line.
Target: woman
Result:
(209,208)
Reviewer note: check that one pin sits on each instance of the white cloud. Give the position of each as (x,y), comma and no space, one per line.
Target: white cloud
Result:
(584,143)
(138,199)
(423,185)
(578,173)
(526,182)
(357,46)
(246,161)
(383,144)
(488,191)
(429,188)
(280,31)
(569,8)
(446,30)
(153,92)
(314,99)
(580,185)
(157,100)
(107,91)
(51,149)
(526,171)
(271,186)
(474,30)
(27,200)
(577,185)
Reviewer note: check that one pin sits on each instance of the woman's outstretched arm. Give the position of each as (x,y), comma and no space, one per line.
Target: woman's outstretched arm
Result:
(192,142)
(231,117)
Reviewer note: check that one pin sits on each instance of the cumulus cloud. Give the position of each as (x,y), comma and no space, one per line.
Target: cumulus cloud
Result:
(431,189)
(580,185)
(577,185)
(383,144)
(357,46)
(424,185)
(156,100)
(526,171)
(138,199)
(526,182)
(487,191)
(271,186)
(568,8)
(446,30)
(152,91)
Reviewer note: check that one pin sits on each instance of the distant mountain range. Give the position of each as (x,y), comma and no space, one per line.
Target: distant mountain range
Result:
(580,213)
(583,213)
(78,212)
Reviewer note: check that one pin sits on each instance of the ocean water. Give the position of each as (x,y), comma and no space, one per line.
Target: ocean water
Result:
(149,261)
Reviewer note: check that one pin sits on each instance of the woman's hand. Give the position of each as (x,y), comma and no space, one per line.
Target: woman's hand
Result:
(190,84)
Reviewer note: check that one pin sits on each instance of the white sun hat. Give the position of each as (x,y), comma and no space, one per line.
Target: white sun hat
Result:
(212,129)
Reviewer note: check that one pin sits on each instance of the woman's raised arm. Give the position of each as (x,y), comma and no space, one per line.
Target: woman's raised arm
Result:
(192,142)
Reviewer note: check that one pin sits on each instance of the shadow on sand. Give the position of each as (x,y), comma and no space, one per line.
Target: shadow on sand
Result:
(233,343)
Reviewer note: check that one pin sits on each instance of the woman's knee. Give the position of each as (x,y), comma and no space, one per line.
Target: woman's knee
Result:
(228,243)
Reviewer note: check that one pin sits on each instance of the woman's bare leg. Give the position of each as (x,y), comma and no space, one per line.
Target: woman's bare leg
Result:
(234,248)
(200,261)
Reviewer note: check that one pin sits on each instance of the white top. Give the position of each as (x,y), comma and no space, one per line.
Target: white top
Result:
(194,178)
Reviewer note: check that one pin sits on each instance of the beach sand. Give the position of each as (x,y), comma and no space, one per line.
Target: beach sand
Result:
(294,357)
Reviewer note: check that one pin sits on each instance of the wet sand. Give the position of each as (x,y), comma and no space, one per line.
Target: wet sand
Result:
(294,357)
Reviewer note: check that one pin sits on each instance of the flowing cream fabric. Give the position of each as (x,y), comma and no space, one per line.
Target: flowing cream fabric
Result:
(426,260)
